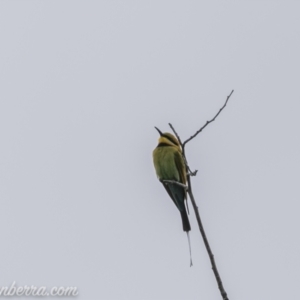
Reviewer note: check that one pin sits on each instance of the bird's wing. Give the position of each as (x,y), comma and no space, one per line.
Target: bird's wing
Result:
(177,193)
(180,165)
(167,187)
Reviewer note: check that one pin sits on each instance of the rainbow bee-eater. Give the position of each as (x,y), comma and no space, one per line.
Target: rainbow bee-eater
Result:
(169,165)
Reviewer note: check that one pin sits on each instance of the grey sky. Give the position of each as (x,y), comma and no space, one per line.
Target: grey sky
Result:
(83,83)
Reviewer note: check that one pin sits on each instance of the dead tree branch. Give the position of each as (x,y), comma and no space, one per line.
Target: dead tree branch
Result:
(191,196)
(207,122)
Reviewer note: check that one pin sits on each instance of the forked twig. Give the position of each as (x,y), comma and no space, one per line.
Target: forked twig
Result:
(189,190)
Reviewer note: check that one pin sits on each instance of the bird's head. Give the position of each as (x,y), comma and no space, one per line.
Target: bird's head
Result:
(167,138)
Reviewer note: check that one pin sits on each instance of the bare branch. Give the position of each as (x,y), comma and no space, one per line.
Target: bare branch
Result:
(177,136)
(207,122)
(191,196)
(206,243)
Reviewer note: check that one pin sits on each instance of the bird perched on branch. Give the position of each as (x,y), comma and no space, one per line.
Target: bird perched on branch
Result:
(169,165)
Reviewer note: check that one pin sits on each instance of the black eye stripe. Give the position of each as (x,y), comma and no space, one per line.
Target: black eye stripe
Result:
(163,145)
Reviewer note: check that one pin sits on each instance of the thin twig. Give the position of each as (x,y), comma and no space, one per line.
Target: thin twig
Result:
(207,122)
(176,134)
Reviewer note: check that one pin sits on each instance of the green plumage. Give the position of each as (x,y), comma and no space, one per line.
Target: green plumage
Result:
(164,159)
(169,165)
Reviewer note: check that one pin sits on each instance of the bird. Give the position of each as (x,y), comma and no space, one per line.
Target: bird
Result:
(169,165)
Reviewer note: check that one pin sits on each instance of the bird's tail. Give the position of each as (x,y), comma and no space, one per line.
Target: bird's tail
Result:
(185,220)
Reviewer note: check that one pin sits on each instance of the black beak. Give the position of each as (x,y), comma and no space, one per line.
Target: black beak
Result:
(161,134)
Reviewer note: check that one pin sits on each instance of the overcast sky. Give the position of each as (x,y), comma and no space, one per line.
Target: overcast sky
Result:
(83,83)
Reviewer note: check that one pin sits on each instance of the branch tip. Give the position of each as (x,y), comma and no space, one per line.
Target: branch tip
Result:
(207,122)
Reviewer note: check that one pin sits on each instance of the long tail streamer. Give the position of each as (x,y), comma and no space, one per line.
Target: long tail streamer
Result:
(188,236)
